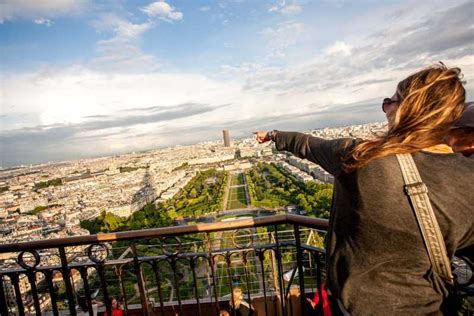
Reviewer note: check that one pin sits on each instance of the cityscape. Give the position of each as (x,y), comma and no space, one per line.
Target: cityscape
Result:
(50,200)
(88,196)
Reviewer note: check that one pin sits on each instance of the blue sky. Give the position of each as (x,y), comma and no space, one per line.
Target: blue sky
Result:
(85,78)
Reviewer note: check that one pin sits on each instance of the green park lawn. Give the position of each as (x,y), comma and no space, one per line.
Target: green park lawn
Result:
(237,198)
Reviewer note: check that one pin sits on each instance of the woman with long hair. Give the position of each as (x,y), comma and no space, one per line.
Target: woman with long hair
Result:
(376,257)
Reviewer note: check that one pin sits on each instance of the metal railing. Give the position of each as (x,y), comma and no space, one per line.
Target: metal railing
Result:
(170,270)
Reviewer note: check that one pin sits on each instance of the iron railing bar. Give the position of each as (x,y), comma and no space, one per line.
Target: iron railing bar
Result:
(66,272)
(211,266)
(156,270)
(187,255)
(71,266)
(299,260)
(140,279)
(232,298)
(244,254)
(3,299)
(150,259)
(193,269)
(19,302)
(52,291)
(166,231)
(101,273)
(313,249)
(12,272)
(280,273)
(108,262)
(306,221)
(261,257)
(85,282)
(292,277)
(119,271)
(174,267)
(319,283)
(34,291)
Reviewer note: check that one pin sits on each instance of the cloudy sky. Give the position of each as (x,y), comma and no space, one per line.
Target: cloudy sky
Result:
(88,78)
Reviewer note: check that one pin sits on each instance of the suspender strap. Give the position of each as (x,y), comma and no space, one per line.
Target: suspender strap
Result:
(417,192)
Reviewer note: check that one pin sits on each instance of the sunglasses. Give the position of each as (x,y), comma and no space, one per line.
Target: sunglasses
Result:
(387,102)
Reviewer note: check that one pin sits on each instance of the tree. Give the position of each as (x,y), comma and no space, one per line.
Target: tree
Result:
(172,214)
(111,223)
(301,200)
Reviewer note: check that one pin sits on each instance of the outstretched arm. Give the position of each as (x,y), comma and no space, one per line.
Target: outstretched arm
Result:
(329,154)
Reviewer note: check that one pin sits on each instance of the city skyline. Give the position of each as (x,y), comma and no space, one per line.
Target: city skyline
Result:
(123,184)
(84,79)
(215,141)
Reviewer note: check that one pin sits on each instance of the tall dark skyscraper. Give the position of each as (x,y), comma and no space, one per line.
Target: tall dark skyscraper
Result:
(226,138)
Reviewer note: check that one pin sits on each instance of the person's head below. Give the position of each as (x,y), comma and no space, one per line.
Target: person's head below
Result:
(237,293)
(236,298)
(113,303)
(224,313)
(461,136)
(294,291)
(420,115)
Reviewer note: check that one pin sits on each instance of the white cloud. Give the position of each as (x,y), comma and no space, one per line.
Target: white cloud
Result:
(68,107)
(123,56)
(339,48)
(69,95)
(31,9)
(285,9)
(368,64)
(364,67)
(273,9)
(283,35)
(290,9)
(204,8)
(43,21)
(121,52)
(244,69)
(121,27)
(163,11)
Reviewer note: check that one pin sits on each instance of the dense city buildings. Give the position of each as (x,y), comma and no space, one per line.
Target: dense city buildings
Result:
(50,200)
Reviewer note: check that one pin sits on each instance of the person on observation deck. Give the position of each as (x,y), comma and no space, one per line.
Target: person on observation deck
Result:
(376,257)
(238,306)
(116,308)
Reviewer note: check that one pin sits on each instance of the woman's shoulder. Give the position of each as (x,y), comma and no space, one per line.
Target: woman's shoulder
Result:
(456,161)
(430,160)
(431,166)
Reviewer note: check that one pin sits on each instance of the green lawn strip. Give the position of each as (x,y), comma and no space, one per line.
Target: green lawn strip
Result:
(237,198)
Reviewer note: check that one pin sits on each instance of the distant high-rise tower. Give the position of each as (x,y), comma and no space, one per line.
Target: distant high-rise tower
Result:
(226,138)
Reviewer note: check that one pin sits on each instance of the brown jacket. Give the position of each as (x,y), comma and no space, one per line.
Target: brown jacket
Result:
(377,262)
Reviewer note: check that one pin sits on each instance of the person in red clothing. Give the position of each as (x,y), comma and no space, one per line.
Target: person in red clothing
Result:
(315,303)
(116,310)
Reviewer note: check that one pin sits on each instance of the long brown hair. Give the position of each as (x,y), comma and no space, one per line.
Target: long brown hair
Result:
(432,100)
